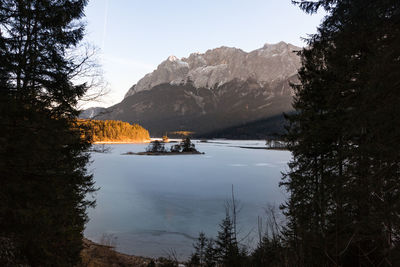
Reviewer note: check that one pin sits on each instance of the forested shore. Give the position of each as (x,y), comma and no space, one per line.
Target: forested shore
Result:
(110,131)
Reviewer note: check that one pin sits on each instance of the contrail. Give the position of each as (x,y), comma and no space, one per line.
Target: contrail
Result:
(105,26)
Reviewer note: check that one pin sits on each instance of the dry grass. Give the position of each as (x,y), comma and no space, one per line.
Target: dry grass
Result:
(95,255)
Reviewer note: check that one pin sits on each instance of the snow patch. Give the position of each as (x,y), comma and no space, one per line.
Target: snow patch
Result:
(172,58)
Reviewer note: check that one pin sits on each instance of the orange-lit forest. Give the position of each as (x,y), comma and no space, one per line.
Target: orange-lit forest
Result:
(110,130)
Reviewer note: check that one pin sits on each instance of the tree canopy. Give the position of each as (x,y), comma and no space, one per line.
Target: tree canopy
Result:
(110,130)
(44,181)
(344,178)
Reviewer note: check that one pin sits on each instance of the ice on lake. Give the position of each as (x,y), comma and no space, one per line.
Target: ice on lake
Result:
(155,204)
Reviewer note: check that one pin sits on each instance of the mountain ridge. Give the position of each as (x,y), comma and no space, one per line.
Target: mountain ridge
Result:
(213,91)
(221,65)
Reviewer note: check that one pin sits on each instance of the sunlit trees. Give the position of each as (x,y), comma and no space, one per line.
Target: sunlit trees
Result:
(110,130)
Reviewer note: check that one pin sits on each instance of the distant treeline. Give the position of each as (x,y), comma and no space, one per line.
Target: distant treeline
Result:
(110,130)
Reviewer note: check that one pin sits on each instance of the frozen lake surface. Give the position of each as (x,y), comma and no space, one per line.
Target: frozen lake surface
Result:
(155,204)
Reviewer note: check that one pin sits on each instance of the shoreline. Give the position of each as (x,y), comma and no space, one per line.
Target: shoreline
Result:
(162,153)
(265,148)
(97,255)
(121,142)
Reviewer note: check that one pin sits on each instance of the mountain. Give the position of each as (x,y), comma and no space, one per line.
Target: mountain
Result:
(91,113)
(222,88)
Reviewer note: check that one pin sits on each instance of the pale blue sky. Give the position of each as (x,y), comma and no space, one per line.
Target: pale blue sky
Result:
(134,36)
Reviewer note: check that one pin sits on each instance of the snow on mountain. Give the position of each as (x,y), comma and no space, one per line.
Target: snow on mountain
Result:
(221,65)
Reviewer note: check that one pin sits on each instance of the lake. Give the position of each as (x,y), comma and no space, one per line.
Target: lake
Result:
(157,204)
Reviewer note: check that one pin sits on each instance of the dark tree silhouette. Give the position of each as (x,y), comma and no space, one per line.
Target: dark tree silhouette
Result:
(187,145)
(44,182)
(198,257)
(176,148)
(210,259)
(344,179)
(156,147)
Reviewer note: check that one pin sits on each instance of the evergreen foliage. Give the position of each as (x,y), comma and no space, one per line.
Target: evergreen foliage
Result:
(110,130)
(271,249)
(44,181)
(227,249)
(344,178)
(205,252)
(198,258)
(210,258)
(176,148)
(187,145)
(224,251)
(269,252)
(156,147)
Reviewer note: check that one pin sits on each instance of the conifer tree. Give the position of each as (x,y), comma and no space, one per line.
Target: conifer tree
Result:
(200,247)
(44,182)
(187,145)
(209,253)
(344,177)
(198,257)
(227,249)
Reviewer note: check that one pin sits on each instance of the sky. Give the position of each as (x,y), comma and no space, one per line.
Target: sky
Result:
(134,36)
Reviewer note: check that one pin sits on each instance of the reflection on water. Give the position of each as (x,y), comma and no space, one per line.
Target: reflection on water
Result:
(153,204)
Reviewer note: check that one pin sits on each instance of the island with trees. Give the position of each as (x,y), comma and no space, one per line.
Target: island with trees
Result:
(114,131)
(157,148)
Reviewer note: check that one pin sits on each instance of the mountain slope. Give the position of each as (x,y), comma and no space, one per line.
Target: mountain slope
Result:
(209,92)
(91,113)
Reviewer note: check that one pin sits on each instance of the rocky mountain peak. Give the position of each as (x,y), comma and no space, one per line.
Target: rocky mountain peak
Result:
(224,90)
(220,65)
(172,58)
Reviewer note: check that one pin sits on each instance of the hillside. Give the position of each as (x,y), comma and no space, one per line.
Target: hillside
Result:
(114,131)
(215,91)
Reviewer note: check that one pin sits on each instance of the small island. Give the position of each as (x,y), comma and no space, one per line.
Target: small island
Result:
(157,148)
